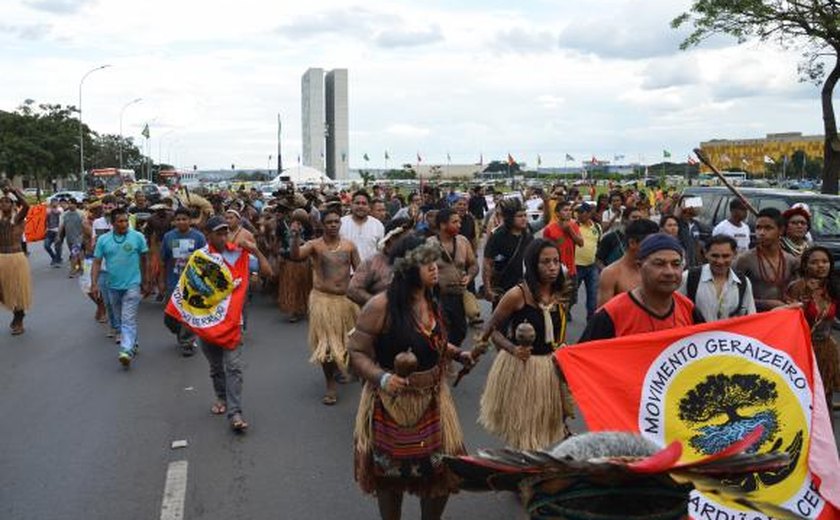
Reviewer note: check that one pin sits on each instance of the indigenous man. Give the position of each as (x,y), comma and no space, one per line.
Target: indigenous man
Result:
(237,234)
(15,283)
(624,274)
(457,266)
(502,267)
(124,249)
(331,313)
(374,274)
(613,245)
(653,305)
(360,228)
(768,267)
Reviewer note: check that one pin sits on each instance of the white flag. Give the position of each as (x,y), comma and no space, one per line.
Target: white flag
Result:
(768,160)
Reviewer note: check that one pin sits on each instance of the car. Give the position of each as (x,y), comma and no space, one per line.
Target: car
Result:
(64,195)
(825,211)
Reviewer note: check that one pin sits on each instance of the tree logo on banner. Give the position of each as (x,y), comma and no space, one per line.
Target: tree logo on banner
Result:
(710,389)
(204,290)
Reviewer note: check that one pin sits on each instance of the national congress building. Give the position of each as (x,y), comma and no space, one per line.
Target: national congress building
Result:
(324,121)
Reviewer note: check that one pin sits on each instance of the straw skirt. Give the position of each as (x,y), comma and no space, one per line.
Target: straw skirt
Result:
(331,317)
(15,282)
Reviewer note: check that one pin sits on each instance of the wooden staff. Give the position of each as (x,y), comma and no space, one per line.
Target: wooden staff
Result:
(705,160)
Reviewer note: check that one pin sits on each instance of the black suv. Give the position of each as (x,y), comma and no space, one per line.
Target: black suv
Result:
(825,211)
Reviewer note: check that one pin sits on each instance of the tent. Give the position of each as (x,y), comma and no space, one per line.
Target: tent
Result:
(300,175)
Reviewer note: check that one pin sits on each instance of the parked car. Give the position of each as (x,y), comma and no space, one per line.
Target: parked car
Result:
(825,211)
(64,195)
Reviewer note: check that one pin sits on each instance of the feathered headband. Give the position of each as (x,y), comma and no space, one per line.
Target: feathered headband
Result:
(423,254)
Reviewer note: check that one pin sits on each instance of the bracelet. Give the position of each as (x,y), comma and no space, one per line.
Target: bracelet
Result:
(384,378)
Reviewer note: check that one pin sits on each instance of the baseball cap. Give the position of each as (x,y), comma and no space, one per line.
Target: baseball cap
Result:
(584,206)
(216,223)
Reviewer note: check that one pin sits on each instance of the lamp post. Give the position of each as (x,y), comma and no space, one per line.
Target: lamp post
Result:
(81,127)
(122,111)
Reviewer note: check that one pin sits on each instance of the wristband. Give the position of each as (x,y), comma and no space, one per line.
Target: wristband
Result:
(384,378)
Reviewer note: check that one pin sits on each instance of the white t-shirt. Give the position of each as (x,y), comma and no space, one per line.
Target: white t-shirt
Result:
(741,233)
(364,236)
(101,226)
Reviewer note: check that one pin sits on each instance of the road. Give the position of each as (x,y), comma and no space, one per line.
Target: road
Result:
(84,439)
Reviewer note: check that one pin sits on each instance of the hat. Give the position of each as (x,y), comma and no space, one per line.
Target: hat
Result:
(216,223)
(798,210)
(231,210)
(584,206)
(658,242)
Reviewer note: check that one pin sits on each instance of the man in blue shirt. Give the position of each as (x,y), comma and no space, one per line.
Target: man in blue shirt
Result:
(124,250)
(177,246)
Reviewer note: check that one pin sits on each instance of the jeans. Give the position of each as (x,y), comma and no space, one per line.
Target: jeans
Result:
(105,291)
(50,240)
(588,274)
(125,303)
(226,374)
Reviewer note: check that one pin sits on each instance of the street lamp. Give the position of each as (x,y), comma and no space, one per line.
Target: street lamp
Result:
(81,131)
(121,125)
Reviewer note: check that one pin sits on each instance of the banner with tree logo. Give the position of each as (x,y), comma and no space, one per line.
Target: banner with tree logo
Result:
(709,385)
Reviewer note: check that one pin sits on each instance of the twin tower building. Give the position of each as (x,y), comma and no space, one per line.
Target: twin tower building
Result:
(324,125)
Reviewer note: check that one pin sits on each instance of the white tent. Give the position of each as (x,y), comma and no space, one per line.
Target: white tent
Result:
(300,175)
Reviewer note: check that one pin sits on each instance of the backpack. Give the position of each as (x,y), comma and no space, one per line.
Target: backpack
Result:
(694,281)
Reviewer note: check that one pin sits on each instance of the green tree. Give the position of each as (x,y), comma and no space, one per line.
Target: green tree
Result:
(105,153)
(367,177)
(812,26)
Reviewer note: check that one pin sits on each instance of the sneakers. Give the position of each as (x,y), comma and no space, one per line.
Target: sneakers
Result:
(125,359)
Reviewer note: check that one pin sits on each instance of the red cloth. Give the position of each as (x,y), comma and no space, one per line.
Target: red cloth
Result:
(564,242)
(35,228)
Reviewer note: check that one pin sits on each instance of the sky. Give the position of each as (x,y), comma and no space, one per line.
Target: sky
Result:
(472,79)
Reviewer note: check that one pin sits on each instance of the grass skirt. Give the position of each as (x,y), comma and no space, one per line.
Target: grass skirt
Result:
(523,402)
(331,317)
(407,408)
(15,282)
(293,286)
(828,362)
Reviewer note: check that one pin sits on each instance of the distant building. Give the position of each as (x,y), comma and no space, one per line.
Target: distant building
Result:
(749,154)
(312,118)
(325,121)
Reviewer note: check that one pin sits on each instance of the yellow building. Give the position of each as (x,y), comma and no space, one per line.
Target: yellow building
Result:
(749,154)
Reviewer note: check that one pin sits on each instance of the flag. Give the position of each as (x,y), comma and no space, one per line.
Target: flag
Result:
(419,159)
(386,155)
(594,160)
(569,158)
(298,158)
(365,157)
(448,157)
(510,160)
(145,132)
(666,154)
(618,157)
(210,296)
(692,161)
(768,160)
(539,160)
(707,385)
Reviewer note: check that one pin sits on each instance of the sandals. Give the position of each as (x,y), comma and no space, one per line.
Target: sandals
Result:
(237,423)
(329,399)
(218,408)
(17,329)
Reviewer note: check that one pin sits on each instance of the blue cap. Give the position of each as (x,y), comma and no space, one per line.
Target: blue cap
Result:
(659,242)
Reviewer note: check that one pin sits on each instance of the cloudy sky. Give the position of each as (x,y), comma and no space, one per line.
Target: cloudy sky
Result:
(547,77)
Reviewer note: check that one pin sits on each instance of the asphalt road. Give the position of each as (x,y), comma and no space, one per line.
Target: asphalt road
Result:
(84,439)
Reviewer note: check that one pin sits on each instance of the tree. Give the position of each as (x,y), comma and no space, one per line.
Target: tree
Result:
(812,26)
(722,394)
(105,153)
(366,177)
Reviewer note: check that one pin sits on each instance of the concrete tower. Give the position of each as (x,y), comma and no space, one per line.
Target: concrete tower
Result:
(338,131)
(312,118)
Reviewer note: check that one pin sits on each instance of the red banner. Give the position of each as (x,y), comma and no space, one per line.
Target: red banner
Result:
(36,223)
(707,386)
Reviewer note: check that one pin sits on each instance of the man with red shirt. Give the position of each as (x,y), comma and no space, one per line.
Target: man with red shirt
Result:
(653,305)
(566,234)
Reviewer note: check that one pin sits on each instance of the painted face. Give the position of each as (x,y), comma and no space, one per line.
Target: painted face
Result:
(332,223)
(429,274)
(121,224)
(720,258)
(549,264)
(662,271)
(797,227)
(108,207)
(766,231)
(454,224)
(818,265)
(671,227)
(360,207)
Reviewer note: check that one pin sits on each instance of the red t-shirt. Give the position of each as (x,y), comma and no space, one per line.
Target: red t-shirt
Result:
(629,317)
(564,242)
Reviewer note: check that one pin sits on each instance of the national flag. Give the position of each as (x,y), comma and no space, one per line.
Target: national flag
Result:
(539,160)
(666,154)
(768,160)
(145,132)
(386,155)
(569,158)
(210,296)
(448,157)
(707,385)
(692,161)
(510,160)
(419,159)
(365,157)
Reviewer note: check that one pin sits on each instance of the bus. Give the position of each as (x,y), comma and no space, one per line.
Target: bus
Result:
(107,180)
(174,179)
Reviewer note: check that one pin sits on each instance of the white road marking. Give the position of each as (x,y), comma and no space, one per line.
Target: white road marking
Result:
(179,444)
(175,491)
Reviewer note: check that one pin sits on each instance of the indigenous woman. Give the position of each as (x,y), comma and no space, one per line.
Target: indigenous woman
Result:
(669,224)
(15,282)
(406,419)
(525,401)
(819,296)
(798,224)
(295,276)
